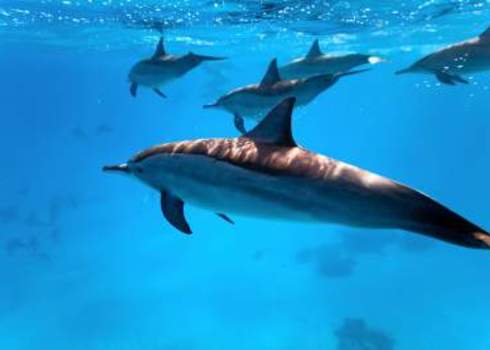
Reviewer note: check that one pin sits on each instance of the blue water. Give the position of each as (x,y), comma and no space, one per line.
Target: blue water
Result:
(88,262)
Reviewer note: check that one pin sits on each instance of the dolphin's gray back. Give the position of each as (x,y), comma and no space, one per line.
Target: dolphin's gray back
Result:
(155,72)
(330,190)
(308,67)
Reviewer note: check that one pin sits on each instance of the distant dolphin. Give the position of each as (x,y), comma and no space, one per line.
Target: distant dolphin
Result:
(316,63)
(254,101)
(266,174)
(162,68)
(450,63)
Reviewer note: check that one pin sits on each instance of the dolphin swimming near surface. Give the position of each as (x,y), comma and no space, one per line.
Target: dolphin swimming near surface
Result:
(161,68)
(450,63)
(264,173)
(316,63)
(254,101)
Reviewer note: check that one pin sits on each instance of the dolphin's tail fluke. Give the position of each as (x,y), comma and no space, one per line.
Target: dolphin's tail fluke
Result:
(483,238)
(470,237)
(433,219)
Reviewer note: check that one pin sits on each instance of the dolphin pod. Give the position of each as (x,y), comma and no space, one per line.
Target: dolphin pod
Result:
(447,65)
(264,173)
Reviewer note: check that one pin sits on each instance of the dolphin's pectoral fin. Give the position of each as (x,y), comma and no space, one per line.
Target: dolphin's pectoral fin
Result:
(450,79)
(275,128)
(445,78)
(159,93)
(460,79)
(173,211)
(226,218)
(133,89)
(239,123)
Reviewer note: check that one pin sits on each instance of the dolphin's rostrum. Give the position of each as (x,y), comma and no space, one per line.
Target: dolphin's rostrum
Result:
(266,174)
(449,64)
(254,101)
(316,63)
(162,67)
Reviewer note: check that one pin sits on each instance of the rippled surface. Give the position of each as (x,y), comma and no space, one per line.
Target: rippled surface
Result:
(386,23)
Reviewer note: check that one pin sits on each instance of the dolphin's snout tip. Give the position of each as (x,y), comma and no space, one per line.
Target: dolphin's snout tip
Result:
(211,58)
(210,105)
(376,59)
(123,168)
(402,71)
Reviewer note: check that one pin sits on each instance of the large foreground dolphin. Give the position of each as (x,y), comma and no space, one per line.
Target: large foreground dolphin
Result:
(450,63)
(254,101)
(161,68)
(266,174)
(315,63)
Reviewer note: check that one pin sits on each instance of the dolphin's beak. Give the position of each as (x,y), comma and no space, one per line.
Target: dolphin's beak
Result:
(376,59)
(123,168)
(211,105)
(403,71)
(353,72)
(209,58)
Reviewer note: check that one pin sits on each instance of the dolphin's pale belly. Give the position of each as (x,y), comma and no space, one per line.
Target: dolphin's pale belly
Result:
(298,70)
(226,188)
(152,75)
(254,105)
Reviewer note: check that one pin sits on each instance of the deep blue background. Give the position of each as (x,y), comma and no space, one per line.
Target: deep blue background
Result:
(109,273)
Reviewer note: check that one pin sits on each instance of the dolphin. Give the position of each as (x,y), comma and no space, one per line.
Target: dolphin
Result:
(450,63)
(315,63)
(161,68)
(253,101)
(264,173)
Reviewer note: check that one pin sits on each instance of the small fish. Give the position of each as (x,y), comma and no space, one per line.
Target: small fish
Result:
(451,63)
(253,101)
(266,174)
(104,129)
(317,63)
(79,134)
(161,68)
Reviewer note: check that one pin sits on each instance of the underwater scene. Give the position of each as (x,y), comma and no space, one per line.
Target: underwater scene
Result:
(280,175)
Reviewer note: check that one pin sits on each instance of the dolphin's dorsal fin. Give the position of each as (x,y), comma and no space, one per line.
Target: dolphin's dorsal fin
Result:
(275,128)
(485,35)
(159,50)
(314,50)
(272,75)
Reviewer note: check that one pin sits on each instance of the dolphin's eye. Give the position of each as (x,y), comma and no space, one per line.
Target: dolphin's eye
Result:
(139,170)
